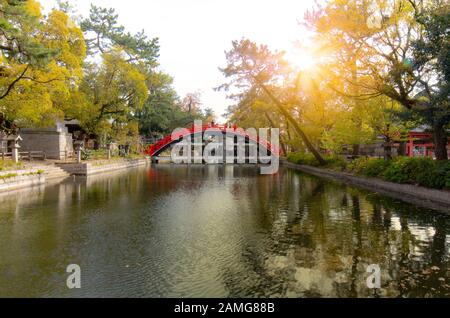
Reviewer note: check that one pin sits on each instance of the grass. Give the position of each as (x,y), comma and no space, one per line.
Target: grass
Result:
(96,155)
(8,176)
(14,175)
(8,165)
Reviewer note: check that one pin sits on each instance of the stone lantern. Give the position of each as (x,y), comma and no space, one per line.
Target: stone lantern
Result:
(109,146)
(15,148)
(78,147)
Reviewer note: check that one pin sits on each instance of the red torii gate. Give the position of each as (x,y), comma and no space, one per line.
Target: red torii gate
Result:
(163,144)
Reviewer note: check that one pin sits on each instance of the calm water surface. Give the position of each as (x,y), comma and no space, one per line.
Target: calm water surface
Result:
(214,231)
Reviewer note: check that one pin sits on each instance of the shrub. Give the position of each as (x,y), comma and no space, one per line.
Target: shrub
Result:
(425,172)
(410,170)
(332,162)
(94,154)
(421,171)
(370,167)
(357,165)
(336,163)
(438,177)
(303,159)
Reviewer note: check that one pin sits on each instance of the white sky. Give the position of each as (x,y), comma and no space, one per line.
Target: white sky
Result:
(194,34)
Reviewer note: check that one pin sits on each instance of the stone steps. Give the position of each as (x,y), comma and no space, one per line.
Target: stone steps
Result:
(52,172)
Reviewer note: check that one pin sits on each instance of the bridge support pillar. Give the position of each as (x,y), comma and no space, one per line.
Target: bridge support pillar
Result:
(224,150)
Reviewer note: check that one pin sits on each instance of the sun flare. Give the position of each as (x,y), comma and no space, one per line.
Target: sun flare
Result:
(303,59)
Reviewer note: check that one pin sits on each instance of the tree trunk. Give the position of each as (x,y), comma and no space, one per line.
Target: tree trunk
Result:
(440,142)
(289,146)
(387,149)
(356,151)
(282,141)
(402,149)
(296,126)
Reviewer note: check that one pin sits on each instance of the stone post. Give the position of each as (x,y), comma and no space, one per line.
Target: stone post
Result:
(78,148)
(15,149)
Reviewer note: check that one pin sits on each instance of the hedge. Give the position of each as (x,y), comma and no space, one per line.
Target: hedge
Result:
(424,172)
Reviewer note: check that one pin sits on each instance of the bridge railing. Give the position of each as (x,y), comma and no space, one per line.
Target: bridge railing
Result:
(223,128)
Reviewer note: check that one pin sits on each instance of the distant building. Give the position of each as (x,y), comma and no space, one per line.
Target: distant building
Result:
(421,144)
(56,141)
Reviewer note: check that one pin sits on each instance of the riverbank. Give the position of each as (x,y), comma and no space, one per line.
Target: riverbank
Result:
(424,197)
(41,173)
(19,179)
(102,166)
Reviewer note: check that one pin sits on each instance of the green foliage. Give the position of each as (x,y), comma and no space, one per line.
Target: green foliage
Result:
(424,172)
(107,34)
(421,171)
(8,176)
(332,162)
(301,158)
(40,64)
(443,171)
(252,67)
(162,112)
(94,154)
(412,68)
(126,95)
(6,165)
(336,162)
(37,173)
(370,167)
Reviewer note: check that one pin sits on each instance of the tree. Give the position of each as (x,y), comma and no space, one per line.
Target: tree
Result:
(21,49)
(255,67)
(432,53)
(209,115)
(256,111)
(117,92)
(161,110)
(113,93)
(387,34)
(192,103)
(41,63)
(107,35)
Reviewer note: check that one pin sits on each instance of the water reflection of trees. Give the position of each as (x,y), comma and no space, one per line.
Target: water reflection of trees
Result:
(323,235)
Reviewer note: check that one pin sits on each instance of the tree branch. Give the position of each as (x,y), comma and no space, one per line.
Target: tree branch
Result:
(11,86)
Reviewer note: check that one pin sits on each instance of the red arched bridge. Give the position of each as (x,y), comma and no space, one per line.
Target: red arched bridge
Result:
(164,144)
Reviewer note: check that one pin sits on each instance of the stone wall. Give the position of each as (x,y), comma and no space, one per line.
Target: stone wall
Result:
(20,181)
(92,168)
(424,197)
(53,143)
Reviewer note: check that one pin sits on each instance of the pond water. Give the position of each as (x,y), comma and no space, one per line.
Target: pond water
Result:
(218,231)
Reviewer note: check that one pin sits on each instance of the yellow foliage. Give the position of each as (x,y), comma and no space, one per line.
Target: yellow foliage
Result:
(44,92)
(33,8)
(112,93)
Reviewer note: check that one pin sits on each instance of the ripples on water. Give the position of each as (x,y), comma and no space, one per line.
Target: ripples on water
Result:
(213,231)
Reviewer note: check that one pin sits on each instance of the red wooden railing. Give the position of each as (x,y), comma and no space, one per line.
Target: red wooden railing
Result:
(156,147)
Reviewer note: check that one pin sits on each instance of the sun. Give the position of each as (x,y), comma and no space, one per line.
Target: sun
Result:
(303,59)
